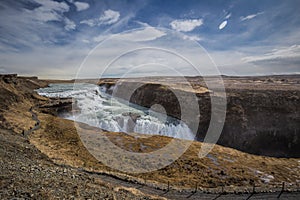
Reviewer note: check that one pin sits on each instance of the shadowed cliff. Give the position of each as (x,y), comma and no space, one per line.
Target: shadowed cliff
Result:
(263,113)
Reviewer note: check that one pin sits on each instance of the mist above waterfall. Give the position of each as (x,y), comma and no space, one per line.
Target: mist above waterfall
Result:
(103,111)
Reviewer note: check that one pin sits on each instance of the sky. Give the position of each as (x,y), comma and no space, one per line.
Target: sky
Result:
(63,38)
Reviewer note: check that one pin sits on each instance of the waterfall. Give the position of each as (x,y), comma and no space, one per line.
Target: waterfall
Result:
(101,110)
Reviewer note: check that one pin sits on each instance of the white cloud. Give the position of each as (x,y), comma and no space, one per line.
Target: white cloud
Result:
(29,28)
(192,37)
(276,54)
(250,16)
(69,25)
(186,25)
(143,24)
(90,22)
(109,17)
(145,34)
(80,6)
(100,38)
(223,24)
(25,27)
(228,16)
(49,10)
(85,41)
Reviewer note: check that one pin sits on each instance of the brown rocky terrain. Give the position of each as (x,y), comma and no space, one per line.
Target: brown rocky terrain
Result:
(25,172)
(53,162)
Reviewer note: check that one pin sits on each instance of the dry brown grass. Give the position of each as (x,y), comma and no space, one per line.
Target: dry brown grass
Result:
(20,117)
(58,139)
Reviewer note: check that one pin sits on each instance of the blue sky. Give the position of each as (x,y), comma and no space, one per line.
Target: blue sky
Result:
(52,38)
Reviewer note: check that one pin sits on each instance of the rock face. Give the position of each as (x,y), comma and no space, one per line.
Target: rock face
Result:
(57,106)
(17,98)
(262,117)
(263,122)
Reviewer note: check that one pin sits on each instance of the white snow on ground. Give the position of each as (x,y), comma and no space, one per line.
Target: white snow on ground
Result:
(267,178)
(264,177)
(228,159)
(213,159)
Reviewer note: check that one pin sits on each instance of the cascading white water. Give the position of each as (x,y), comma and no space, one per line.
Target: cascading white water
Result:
(101,110)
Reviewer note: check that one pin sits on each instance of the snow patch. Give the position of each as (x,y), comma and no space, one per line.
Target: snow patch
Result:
(267,178)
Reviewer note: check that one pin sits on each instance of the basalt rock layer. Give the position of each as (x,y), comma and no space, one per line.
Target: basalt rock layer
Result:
(262,117)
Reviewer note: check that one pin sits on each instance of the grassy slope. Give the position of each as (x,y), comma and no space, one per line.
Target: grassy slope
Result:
(58,139)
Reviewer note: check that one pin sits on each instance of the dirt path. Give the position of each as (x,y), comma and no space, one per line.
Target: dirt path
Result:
(172,194)
(37,123)
(26,173)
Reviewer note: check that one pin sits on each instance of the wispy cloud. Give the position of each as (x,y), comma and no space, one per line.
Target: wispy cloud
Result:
(147,33)
(223,25)
(69,25)
(107,33)
(48,10)
(28,27)
(51,37)
(107,18)
(90,22)
(276,54)
(192,37)
(228,16)
(186,25)
(80,6)
(248,17)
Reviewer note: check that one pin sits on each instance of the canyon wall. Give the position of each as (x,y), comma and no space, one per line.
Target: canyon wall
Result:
(259,120)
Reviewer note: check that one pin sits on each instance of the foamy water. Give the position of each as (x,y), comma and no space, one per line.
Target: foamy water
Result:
(101,110)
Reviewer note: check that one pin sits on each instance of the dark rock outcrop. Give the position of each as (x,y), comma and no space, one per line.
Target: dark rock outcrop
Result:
(260,120)
(56,106)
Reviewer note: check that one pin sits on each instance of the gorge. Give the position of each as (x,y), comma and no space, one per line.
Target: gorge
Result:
(262,112)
